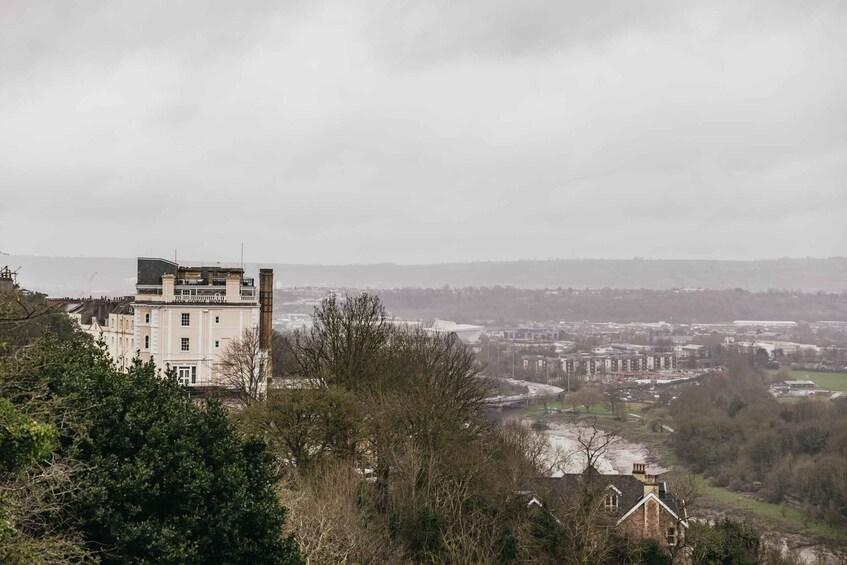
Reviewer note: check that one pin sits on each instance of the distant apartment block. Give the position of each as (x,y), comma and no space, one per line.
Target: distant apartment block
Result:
(532,334)
(588,365)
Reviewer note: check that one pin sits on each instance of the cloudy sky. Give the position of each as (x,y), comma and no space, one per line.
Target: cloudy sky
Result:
(424,131)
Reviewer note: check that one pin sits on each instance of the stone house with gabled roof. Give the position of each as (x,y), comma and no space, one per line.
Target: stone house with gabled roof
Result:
(638,504)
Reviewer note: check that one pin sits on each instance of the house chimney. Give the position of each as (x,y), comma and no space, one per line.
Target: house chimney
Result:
(651,482)
(266,306)
(7,280)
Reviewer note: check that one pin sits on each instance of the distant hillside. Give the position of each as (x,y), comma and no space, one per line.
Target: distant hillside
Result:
(510,305)
(61,276)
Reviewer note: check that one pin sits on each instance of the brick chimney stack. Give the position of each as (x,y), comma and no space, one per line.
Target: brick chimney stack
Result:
(266,307)
(651,482)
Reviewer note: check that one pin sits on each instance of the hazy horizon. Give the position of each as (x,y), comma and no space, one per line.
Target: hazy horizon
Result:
(84,276)
(250,260)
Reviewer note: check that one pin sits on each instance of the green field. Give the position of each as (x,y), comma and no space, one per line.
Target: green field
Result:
(781,517)
(825,381)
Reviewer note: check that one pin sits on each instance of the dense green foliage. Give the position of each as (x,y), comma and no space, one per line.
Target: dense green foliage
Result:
(731,428)
(152,477)
(726,543)
(22,439)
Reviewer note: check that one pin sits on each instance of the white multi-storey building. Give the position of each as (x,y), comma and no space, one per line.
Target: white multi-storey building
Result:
(184,317)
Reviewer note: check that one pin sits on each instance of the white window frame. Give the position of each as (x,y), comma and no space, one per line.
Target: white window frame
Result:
(185,319)
(186,374)
(184,344)
(671,536)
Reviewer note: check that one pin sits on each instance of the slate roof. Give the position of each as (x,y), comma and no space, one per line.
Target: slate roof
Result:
(630,487)
(90,309)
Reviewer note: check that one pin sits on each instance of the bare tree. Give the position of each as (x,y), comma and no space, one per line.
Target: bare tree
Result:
(30,502)
(685,491)
(585,396)
(242,368)
(656,419)
(345,343)
(303,425)
(615,402)
(594,442)
(326,517)
(544,457)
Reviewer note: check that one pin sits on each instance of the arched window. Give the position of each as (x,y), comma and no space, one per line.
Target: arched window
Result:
(146,342)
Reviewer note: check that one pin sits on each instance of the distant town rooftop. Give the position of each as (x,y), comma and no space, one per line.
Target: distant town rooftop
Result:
(764,323)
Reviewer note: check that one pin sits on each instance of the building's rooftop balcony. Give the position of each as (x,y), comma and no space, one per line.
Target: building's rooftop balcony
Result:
(195,293)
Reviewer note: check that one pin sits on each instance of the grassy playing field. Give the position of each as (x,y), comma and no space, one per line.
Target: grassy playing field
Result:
(826,381)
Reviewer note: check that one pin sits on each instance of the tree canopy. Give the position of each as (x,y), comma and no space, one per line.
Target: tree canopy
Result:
(153,476)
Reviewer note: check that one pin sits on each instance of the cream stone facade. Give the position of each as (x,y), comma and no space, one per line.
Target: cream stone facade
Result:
(109,320)
(118,335)
(184,317)
(181,318)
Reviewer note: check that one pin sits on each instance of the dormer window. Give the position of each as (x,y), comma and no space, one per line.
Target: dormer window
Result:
(611,499)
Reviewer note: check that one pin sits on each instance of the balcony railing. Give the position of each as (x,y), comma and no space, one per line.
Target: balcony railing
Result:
(199,293)
(209,293)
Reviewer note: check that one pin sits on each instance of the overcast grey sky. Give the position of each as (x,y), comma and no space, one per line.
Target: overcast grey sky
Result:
(424,131)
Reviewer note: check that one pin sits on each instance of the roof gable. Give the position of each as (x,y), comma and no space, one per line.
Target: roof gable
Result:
(662,504)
